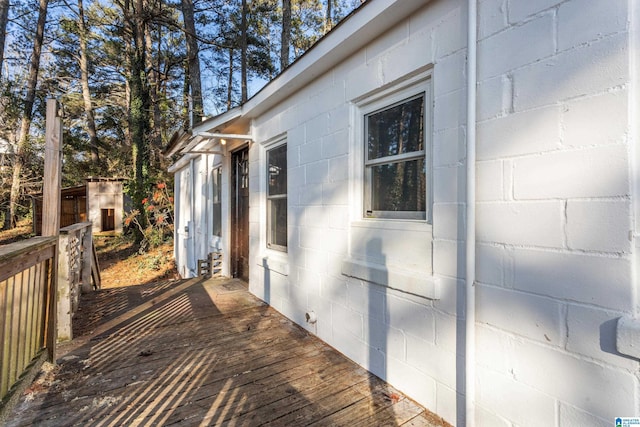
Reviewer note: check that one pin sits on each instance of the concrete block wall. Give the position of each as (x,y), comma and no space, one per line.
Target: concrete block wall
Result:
(554,213)
(410,341)
(554,267)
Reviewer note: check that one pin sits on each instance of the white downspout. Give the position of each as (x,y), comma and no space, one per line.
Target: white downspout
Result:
(470,257)
(634,126)
(206,200)
(192,219)
(628,326)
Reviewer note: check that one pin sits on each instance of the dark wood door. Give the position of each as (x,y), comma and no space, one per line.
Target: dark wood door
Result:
(240,214)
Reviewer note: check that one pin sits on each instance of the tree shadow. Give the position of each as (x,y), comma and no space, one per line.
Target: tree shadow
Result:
(196,353)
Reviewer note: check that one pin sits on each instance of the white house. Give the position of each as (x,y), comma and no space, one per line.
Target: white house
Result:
(490,271)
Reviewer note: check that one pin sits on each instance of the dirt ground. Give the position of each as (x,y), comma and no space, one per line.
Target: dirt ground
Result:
(120,263)
(22,231)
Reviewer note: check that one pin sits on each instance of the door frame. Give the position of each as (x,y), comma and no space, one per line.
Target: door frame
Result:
(239,253)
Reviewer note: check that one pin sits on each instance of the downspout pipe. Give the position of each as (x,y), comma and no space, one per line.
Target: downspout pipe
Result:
(470,241)
(206,200)
(628,326)
(192,218)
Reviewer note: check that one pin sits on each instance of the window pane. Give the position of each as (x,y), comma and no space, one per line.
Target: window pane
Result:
(278,222)
(396,130)
(277,170)
(399,186)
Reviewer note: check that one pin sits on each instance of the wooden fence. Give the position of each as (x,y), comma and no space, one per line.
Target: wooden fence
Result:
(27,311)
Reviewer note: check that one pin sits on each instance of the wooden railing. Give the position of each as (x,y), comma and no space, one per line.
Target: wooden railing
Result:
(27,311)
(75,265)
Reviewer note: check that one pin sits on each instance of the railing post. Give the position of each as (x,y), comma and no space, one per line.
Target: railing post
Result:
(52,171)
(87,257)
(51,213)
(65,281)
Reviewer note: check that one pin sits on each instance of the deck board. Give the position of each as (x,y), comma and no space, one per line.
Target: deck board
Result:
(204,353)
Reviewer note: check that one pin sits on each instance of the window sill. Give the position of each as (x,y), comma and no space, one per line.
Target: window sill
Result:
(393,224)
(276,262)
(410,282)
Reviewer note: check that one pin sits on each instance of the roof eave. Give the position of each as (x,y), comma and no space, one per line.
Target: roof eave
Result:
(368,22)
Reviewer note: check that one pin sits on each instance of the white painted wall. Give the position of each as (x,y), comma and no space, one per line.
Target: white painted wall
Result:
(408,340)
(105,194)
(554,214)
(193,239)
(182,192)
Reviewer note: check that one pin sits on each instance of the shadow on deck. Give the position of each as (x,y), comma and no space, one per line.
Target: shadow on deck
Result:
(198,353)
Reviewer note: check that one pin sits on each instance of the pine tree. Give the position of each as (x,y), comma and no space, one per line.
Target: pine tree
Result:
(25,125)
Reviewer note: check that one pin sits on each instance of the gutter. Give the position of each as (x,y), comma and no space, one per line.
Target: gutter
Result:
(470,240)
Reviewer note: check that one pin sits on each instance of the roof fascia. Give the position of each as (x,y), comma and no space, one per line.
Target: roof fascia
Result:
(178,139)
(219,121)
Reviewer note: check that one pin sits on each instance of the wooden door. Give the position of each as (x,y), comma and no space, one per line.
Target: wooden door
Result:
(240,214)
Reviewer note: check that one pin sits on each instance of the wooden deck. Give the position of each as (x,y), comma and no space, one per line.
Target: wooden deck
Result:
(196,353)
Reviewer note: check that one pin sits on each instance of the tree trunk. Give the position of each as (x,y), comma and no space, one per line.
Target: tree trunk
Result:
(154,90)
(4,18)
(186,101)
(25,125)
(138,108)
(285,39)
(86,93)
(193,59)
(243,53)
(230,82)
(329,20)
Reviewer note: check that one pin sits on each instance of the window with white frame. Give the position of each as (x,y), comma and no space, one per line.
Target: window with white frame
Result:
(391,183)
(395,157)
(277,197)
(216,205)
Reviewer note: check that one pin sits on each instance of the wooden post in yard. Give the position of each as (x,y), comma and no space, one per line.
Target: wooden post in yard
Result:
(51,213)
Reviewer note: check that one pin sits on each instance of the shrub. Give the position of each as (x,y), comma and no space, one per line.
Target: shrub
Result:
(158,209)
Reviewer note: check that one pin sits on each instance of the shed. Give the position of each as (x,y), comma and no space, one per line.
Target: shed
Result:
(100,200)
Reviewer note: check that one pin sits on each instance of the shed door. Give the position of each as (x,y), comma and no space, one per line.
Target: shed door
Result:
(240,214)
(108,220)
